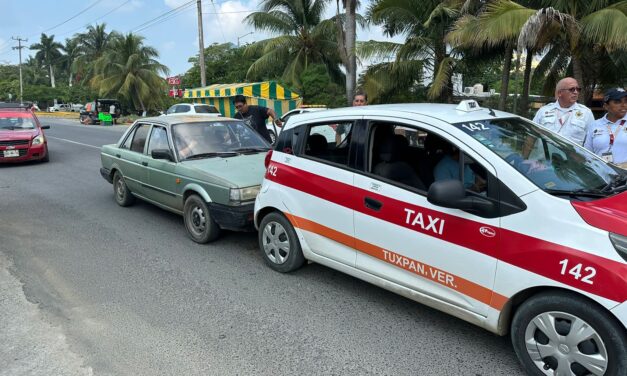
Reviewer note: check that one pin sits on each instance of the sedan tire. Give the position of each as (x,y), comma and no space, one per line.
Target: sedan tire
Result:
(279,244)
(560,333)
(201,227)
(122,194)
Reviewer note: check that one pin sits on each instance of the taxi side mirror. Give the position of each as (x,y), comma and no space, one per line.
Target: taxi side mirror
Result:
(162,154)
(452,194)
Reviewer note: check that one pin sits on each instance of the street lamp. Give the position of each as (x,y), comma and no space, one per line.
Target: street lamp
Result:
(242,36)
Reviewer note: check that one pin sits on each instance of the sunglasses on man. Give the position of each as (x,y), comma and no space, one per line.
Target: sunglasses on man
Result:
(573,89)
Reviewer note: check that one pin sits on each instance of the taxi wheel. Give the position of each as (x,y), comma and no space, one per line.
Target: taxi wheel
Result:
(201,227)
(561,334)
(123,195)
(279,243)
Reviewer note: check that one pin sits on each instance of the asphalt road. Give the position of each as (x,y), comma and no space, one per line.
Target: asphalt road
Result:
(133,295)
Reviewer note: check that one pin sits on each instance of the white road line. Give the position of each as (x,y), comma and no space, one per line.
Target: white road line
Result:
(74,142)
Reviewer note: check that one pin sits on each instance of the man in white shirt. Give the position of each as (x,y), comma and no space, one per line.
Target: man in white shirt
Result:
(566,117)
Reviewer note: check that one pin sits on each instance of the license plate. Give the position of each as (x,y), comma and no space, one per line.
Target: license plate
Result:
(11,153)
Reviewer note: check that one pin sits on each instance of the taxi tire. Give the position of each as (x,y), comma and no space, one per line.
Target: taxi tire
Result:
(610,331)
(121,193)
(195,209)
(295,259)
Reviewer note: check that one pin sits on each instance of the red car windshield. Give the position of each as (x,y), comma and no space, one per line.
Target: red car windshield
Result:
(16,121)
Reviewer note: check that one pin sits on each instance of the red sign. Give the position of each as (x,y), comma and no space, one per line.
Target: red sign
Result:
(176,93)
(174,80)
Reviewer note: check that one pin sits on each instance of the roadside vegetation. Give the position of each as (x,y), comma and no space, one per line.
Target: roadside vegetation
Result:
(518,47)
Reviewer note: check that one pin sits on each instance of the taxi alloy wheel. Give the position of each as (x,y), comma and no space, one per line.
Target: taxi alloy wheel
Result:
(123,195)
(198,221)
(561,334)
(279,244)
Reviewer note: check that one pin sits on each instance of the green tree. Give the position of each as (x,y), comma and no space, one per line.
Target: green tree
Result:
(587,38)
(303,39)
(129,69)
(48,53)
(93,44)
(424,23)
(224,64)
(318,89)
(72,51)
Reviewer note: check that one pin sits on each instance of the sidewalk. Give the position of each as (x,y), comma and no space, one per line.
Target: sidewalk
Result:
(29,345)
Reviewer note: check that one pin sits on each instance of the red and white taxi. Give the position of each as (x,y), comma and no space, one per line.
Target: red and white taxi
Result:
(479,213)
(21,136)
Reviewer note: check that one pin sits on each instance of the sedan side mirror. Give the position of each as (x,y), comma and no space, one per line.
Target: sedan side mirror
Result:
(162,154)
(452,194)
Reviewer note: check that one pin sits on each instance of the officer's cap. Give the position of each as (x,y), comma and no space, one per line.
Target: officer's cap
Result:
(615,94)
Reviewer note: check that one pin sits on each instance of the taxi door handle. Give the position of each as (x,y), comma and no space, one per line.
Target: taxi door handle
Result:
(118,155)
(145,163)
(373,204)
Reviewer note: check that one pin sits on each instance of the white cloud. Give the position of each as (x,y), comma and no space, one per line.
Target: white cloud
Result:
(168,46)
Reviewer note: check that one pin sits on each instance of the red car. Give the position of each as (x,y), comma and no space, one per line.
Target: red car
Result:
(21,135)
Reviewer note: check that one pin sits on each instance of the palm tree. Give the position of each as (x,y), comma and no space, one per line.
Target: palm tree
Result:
(495,27)
(72,51)
(93,44)
(580,32)
(347,36)
(48,53)
(129,69)
(424,24)
(304,39)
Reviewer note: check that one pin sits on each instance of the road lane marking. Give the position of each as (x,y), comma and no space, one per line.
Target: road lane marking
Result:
(74,142)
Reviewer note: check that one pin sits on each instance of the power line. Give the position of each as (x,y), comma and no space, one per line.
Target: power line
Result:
(71,18)
(235,11)
(97,19)
(162,20)
(219,23)
(162,16)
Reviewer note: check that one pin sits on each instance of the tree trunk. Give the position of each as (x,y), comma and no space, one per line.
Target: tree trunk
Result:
(70,80)
(346,36)
(446,95)
(141,103)
(507,65)
(51,75)
(524,98)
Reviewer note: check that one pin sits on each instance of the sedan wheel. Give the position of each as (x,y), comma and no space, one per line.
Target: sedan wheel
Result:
(198,222)
(563,335)
(279,243)
(123,195)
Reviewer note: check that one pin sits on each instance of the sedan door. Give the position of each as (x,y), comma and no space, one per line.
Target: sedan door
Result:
(403,238)
(131,158)
(162,186)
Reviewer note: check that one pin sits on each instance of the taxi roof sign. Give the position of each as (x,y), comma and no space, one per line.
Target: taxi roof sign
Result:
(468,105)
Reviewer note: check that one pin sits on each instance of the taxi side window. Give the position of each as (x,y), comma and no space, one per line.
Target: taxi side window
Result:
(329,142)
(416,158)
(158,139)
(139,138)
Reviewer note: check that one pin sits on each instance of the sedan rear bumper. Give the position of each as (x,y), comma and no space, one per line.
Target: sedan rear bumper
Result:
(236,218)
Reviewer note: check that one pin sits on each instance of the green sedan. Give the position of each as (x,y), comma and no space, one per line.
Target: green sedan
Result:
(209,170)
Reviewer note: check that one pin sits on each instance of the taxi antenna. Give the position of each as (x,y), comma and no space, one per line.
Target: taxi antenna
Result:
(491,112)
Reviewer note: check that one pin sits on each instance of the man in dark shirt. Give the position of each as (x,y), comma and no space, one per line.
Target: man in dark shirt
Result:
(255,116)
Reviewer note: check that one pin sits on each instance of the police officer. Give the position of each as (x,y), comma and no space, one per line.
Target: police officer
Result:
(566,117)
(607,137)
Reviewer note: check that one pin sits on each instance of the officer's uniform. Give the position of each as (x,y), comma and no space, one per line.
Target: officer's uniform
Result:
(608,140)
(572,122)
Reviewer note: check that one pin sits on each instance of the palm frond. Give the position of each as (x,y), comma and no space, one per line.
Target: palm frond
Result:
(607,27)
(442,78)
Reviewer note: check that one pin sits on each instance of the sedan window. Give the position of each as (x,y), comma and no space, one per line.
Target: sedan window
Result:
(139,139)
(181,108)
(158,139)
(205,109)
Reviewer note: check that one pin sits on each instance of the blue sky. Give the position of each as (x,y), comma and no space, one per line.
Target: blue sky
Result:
(175,38)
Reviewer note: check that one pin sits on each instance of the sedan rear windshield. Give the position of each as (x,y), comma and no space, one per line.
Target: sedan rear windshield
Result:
(18,121)
(206,110)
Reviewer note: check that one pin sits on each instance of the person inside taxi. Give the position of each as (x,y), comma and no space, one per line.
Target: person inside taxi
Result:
(607,137)
(565,116)
(448,169)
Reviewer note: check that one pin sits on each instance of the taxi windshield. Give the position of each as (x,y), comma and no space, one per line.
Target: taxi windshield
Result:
(216,138)
(16,123)
(549,161)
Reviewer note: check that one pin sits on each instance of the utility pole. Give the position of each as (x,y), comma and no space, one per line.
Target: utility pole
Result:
(201,55)
(19,49)
(242,36)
